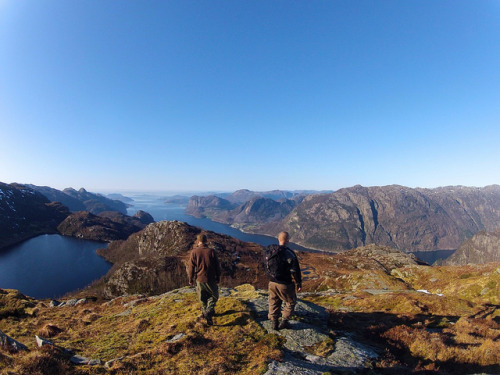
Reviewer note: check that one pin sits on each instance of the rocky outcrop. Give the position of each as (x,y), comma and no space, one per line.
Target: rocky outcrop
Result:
(395,216)
(107,226)
(308,329)
(11,345)
(81,200)
(207,206)
(25,213)
(389,258)
(482,248)
(152,261)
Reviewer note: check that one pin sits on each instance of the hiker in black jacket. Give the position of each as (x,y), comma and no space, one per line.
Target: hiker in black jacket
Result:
(282,266)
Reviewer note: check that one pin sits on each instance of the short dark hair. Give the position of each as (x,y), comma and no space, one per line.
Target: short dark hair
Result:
(201,238)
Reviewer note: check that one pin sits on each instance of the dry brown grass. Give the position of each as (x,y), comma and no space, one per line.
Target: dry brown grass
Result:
(236,344)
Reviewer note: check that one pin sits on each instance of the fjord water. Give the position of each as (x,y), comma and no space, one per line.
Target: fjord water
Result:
(49,266)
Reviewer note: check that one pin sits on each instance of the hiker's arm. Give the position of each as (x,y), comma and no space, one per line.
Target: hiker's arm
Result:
(191,267)
(217,267)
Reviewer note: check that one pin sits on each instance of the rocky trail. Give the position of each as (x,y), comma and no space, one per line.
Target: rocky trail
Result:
(309,333)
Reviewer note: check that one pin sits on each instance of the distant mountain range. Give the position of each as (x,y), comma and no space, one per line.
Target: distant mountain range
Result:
(246,209)
(28,210)
(396,216)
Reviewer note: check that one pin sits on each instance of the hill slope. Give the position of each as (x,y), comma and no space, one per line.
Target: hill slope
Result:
(25,213)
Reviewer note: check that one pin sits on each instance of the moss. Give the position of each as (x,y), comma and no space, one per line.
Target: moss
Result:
(323,348)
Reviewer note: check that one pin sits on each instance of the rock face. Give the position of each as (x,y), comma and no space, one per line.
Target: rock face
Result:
(207,206)
(395,216)
(25,213)
(242,196)
(153,260)
(482,248)
(107,226)
(81,200)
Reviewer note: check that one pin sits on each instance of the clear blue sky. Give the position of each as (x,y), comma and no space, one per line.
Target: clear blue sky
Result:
(222,95)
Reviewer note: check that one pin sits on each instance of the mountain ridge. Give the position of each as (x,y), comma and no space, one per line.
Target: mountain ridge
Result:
(410,219)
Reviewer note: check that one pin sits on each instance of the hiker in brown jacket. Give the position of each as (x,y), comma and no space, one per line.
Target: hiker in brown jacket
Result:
(204,268)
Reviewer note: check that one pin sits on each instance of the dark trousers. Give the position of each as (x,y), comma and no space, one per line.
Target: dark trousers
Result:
(208,294)
(279,294)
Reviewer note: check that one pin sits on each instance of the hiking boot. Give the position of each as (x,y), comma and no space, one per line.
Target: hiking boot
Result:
(284,324)
(208,317)
(275,325)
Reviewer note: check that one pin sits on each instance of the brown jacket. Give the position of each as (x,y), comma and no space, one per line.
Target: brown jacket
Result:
(203,265)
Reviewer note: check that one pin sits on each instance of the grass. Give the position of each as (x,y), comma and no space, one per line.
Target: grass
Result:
(236,344)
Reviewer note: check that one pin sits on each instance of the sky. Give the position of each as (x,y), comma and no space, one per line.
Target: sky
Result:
(189,95)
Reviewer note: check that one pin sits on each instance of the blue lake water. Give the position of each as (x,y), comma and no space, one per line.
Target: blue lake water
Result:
(49,266)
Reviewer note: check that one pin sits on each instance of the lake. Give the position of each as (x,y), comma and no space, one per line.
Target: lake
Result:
(49,266)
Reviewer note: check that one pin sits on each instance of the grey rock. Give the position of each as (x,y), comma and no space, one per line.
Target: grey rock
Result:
(351,354)
(41,341)
(176,338)
(109,363)
(54,303)
(125,313)
(11,344)
(308,328)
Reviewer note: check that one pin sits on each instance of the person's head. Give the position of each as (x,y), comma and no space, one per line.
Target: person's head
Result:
(283,238)
(201,238)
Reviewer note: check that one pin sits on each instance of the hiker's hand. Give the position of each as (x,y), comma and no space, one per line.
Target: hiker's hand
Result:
(299,289)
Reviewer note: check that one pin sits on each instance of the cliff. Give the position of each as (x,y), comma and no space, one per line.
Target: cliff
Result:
(482,248)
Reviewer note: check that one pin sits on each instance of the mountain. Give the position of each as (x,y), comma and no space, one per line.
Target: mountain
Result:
(395,216)
(256,211)
(244,195)
(26,213)
(120,197)
(199,206)
(107,226)
(81,200)
(482,248)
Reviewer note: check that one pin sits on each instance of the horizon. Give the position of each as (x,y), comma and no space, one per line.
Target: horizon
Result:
(194,96)
(189,193)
